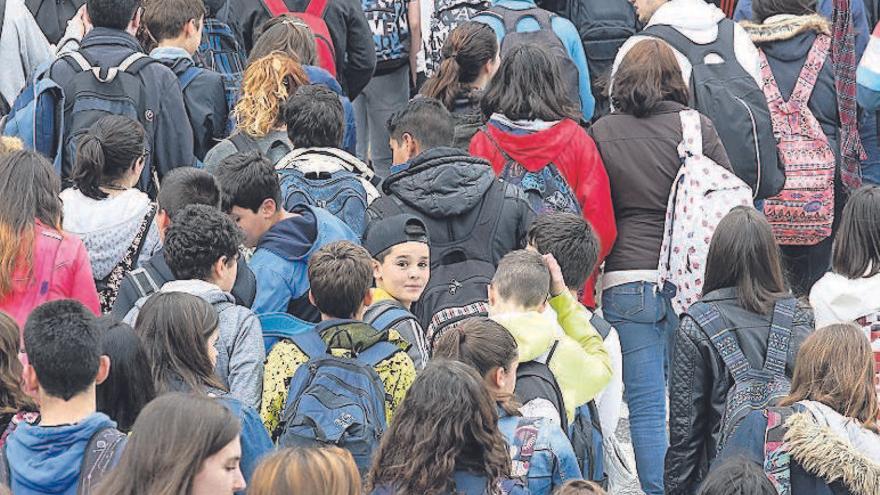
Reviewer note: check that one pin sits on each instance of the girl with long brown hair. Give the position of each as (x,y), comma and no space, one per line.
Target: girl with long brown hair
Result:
(325,470)
(487,347)
(181,444)
(827,425)
(470,59)
(746,313)
(266,85)
(443,439)
(38,261)
(15,405)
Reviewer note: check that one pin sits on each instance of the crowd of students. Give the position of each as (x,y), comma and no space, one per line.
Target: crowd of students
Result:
(420,246)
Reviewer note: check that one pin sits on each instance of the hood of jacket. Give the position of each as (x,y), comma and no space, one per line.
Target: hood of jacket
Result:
(534,333)
(696,19)
(785,37)
(831,446)
(442,182)
(536,149)
(350,335)
(318,75)
(837,299)
(293,238)
(107,227)
(205,290)
(47,459)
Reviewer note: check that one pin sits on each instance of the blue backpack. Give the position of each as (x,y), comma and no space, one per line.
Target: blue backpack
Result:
(221,51)
(341,193)
(388,22)
(336,400)
(281,326)
(37,117)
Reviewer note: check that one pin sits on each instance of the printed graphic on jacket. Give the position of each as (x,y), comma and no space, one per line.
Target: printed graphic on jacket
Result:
(388,22)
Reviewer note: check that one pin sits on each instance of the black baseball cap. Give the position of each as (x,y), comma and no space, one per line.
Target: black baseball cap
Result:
(389,232)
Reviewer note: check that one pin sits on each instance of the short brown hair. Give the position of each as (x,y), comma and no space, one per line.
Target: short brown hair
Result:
(835,366)
(165,19)
(522,278)
(648,74)
(328,470)
(288,34)
(340,275)
(579,487)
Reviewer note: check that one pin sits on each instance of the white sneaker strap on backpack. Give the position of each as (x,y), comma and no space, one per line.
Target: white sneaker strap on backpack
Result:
(691,134)
(111,72)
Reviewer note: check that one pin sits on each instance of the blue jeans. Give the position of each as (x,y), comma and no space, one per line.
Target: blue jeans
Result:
(645,322)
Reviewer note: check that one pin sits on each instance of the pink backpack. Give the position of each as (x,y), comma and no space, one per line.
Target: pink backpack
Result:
(702,194)
(802,213)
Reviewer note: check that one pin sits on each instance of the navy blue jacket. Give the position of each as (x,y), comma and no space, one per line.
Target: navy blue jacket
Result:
(171,144)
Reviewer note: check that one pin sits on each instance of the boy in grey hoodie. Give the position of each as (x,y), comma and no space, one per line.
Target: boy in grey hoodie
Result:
(201,248)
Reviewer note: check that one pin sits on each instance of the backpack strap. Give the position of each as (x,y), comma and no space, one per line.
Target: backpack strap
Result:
(188,76)
(548,355)
(5,472)
(779,341)
(317,8)
(390,316)
(713,324)
(2,14)
(485,130)
(144,282)
(243,142)
(276,7)
(777,460)
(101,455)
(806,81)
(696,53)
(691,134)
(378,352)
(310,343)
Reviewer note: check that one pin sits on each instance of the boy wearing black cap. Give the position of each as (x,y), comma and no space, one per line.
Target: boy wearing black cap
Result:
(401,268)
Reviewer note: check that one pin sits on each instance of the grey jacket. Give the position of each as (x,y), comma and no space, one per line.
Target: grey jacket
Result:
(23,48)
(240,351)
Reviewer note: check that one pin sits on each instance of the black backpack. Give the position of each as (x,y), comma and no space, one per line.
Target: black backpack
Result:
(731,98)
(243,142)
(101,455)
(535,380)
(604,25)
(96,91)
(543,37)
(52,16)
(461,269)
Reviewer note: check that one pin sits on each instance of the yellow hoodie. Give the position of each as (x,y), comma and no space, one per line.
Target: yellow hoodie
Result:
(580,364)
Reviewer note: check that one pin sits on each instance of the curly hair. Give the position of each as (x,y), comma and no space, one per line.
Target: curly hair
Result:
(447,422)
(12,397)
(267,83)
(198,237)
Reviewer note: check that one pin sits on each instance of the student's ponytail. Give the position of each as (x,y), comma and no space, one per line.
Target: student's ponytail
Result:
(468,48)
(105,153)
(485,345)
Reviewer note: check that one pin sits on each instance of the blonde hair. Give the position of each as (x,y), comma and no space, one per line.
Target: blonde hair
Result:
(580,487)
(267,83)
(10,144)
(327,470)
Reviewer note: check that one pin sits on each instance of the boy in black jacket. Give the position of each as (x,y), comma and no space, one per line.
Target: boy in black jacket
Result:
(177,27)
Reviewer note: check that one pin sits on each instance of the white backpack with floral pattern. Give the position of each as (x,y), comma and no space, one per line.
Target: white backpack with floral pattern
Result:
(702,194)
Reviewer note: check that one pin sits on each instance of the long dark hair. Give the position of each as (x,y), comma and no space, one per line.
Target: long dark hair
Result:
(169,443)
(29,189)
(176,328)
(129,386)
(856,251)
(109,149)
(528,85)
(288,34)
(648,75)
(744,254)
(12,397)
(483,344)
(468,48)
(446,423)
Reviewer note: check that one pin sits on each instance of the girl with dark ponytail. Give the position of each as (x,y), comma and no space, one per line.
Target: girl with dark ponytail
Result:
(112,217)
(487,347)
(470,59)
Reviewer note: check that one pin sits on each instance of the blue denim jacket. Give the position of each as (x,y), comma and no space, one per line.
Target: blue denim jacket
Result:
(255,441)
(553,462)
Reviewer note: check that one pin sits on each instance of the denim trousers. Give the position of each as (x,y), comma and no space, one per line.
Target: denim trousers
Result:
(645,322)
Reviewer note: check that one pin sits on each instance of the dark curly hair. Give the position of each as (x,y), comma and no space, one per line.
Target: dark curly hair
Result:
(200,235)
(447,422)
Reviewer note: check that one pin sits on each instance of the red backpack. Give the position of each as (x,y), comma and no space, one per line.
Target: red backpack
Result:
(803,212)
(314,18)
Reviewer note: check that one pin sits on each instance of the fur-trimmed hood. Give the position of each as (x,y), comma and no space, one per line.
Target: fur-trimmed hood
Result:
(833,447)
(785,27)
